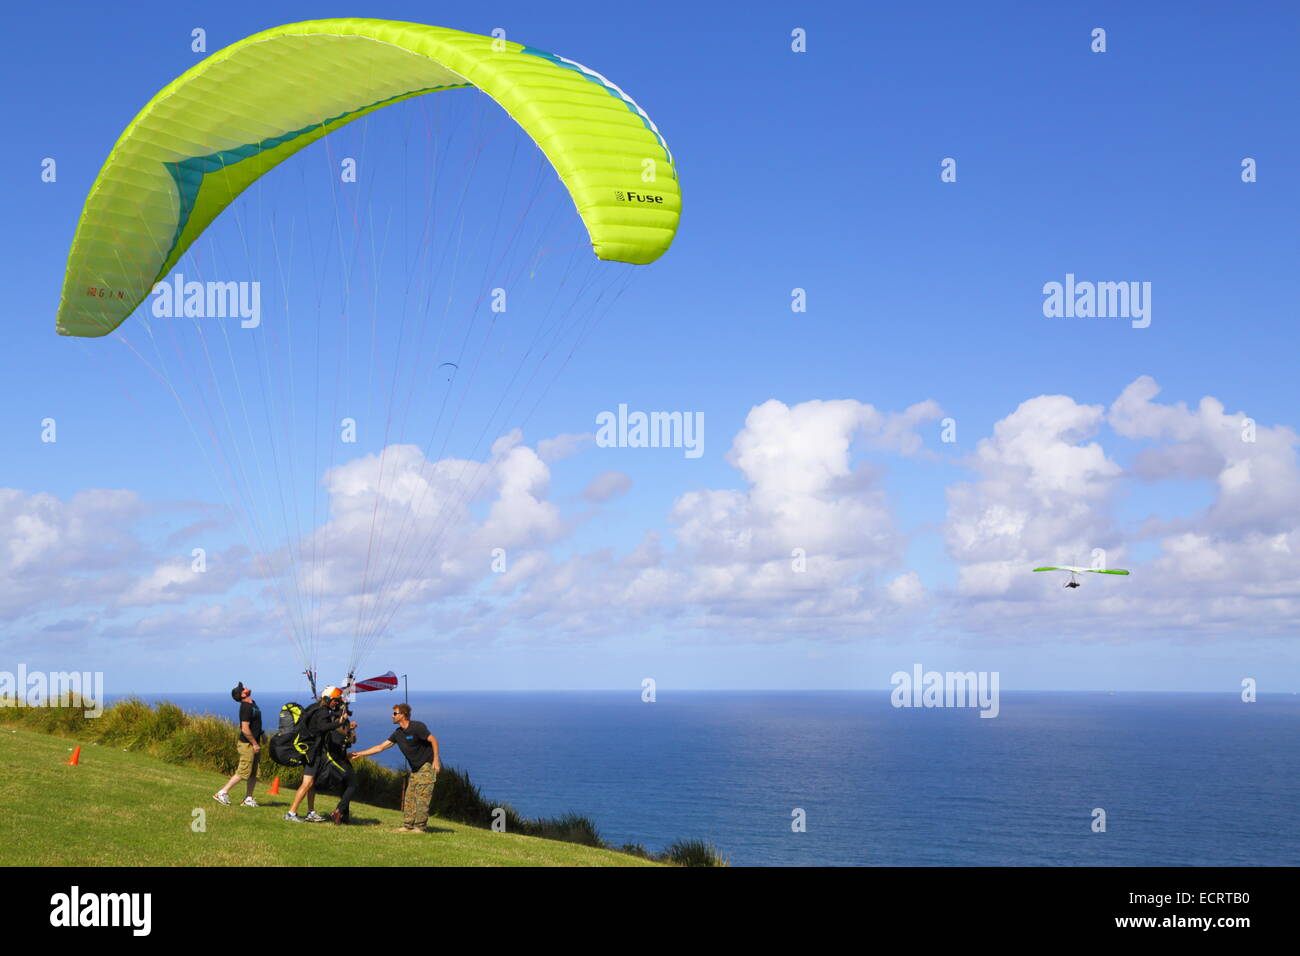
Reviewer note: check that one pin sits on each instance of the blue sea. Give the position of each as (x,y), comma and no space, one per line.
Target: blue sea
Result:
(1184,779)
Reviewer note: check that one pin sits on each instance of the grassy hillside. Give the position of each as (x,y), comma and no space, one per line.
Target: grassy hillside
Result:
(129,808)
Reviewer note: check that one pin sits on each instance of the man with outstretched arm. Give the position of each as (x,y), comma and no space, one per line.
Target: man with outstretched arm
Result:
(249,745)
(420,748)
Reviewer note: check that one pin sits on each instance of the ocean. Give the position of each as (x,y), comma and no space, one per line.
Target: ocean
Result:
(1183,779)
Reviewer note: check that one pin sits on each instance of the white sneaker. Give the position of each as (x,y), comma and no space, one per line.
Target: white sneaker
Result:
(293,817)
(221,798)
(315,817)
(249,802)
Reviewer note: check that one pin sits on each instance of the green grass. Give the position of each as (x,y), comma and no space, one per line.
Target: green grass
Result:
(203,742)
(125,807)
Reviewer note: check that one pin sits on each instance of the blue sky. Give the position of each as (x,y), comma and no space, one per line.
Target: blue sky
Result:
(816,170)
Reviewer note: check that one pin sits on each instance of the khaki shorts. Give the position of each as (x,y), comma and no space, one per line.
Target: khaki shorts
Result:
(248,761)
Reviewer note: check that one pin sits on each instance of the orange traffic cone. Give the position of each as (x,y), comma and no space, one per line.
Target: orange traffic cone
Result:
(275,788)
(76,756)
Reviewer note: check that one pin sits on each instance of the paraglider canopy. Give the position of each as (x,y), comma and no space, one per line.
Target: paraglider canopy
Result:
(220,126)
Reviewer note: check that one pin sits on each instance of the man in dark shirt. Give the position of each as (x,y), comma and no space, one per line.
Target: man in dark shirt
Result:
(249,745)
(340,768)
(318,722)
(420,748)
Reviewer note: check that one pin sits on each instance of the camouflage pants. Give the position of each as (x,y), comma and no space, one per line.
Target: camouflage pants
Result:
(419,791)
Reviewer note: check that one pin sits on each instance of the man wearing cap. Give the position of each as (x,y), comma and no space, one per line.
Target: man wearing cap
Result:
(249,745)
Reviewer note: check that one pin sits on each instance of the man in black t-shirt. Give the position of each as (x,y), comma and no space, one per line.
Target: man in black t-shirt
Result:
(420,748)
(342,774)
(318,722)
(249,745)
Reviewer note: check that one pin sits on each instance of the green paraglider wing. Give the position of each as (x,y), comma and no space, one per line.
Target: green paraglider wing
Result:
(215,129)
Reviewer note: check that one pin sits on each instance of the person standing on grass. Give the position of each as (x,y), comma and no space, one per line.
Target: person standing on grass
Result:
(337,744)
(318,722)
(249,745)
(420,748)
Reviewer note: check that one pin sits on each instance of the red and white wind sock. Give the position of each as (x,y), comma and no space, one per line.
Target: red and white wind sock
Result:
(382,682)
